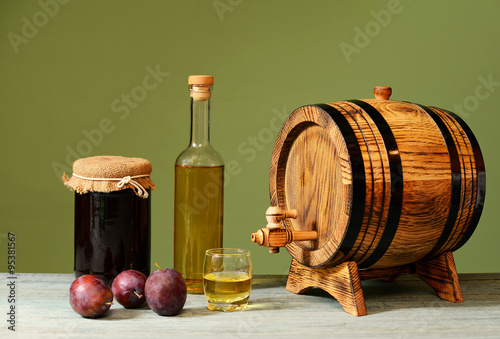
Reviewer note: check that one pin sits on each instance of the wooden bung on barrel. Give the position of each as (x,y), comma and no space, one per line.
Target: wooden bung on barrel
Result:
(383,186)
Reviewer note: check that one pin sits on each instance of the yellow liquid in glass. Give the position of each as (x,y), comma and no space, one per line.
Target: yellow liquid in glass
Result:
(227,288)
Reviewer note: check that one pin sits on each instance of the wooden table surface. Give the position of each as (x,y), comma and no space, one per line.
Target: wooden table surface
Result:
(406,308)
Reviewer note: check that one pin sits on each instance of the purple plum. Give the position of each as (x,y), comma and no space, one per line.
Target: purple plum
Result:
(166,292)
(90,296)
(128,288)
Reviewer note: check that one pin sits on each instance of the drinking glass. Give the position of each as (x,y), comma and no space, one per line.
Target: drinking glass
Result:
(227,279)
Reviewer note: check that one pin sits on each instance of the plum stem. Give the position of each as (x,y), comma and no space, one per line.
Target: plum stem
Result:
(138,295)
(108,303)
(156,264)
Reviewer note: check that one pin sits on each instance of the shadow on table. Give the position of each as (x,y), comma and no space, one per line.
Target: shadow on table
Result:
(268,281)
(121,313)
(254,304)
(410,292)
(124,314)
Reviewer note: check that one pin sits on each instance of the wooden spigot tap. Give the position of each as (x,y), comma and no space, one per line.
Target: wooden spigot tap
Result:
(274,235)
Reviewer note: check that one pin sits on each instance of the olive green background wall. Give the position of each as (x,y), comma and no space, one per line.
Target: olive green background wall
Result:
(67,68)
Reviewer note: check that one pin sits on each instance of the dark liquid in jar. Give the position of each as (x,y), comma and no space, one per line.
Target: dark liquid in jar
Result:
(112,233)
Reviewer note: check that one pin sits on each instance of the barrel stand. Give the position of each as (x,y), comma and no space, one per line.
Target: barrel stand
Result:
(343,281)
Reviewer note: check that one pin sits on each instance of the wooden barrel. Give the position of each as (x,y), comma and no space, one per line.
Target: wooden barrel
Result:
(384,183)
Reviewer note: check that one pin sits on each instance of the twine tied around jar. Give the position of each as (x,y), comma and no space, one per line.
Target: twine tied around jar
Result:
(109,173)
(140,190)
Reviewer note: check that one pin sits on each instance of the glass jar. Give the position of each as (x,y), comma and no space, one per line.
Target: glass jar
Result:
(112,216)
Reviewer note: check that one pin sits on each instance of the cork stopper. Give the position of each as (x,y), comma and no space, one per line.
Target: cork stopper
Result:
(382,92)
(200,86)
(201,80)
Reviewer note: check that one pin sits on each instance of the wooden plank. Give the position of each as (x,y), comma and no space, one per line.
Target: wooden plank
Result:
(406,307)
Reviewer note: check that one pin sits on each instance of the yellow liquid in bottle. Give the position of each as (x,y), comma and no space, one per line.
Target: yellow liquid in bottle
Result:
(227,288)
(197,220)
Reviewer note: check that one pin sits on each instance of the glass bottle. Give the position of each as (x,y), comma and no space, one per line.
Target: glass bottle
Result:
(199,186)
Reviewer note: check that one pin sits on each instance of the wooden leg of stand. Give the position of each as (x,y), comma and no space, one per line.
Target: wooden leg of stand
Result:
(441,274)
(341,281)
